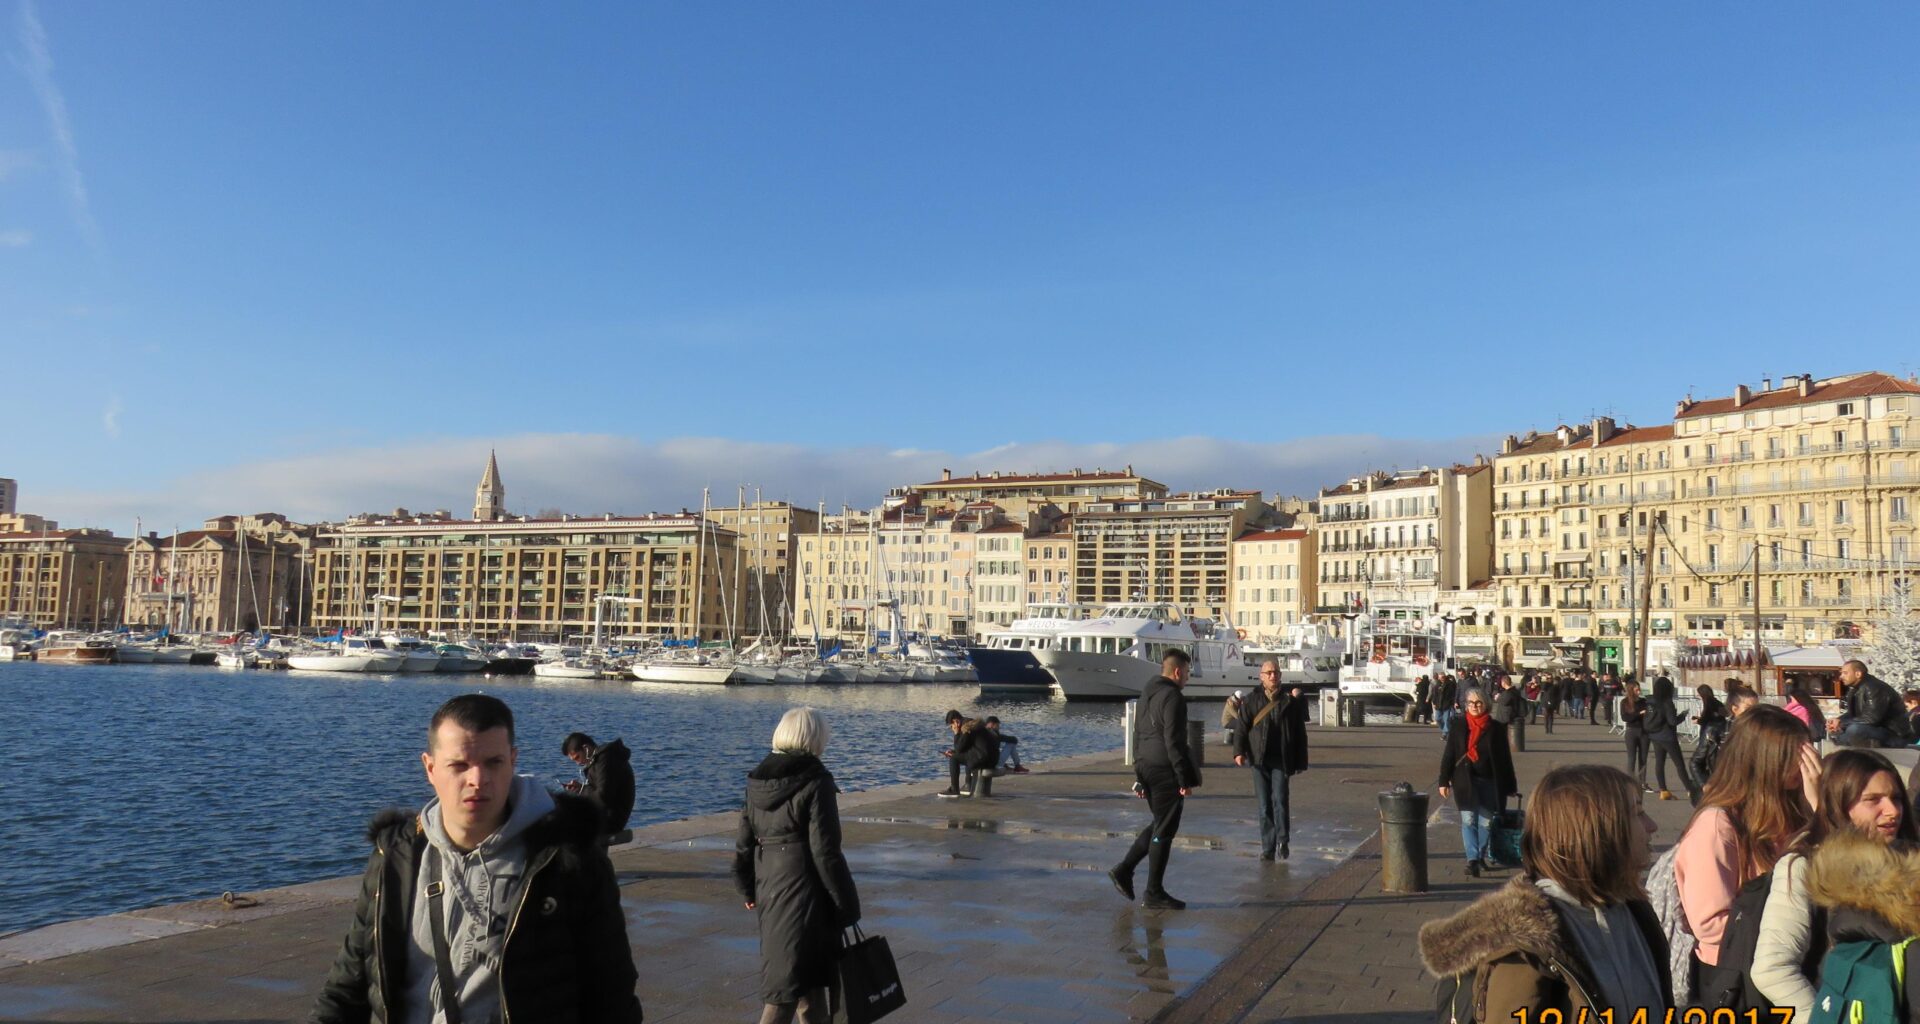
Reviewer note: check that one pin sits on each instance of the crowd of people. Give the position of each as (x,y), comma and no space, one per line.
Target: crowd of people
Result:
(1794,886)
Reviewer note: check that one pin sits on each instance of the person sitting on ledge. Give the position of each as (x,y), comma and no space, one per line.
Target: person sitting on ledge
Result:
(1009,747)
(974,747)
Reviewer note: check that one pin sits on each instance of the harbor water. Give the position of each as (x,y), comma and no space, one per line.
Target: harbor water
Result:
(129,786)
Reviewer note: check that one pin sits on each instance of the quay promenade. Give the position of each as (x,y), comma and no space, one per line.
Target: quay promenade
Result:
(997,910)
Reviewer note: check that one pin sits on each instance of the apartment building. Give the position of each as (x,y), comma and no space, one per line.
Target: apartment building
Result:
(1406,536)
(1050,561)
(62,579)
(767,532)
(673,575)
(1175,548)
(1274,580)
(999,576)
(1631,478)
(1817,480)
(206,580)
(1541,543)
(836,584)
(1020,495)
(9,496)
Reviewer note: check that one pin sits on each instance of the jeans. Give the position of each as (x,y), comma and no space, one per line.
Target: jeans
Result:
(1009,753)
(1476,817)
(1271,788)
(1446,722)
(1860,734)
(1154,844)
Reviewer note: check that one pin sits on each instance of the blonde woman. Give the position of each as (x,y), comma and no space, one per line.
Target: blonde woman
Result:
(787,866)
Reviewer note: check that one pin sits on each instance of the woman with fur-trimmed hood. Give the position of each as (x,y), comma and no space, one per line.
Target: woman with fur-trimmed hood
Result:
(1868,877)
(1573,932)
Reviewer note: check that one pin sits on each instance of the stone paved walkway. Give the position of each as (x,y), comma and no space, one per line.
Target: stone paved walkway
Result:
(996,910)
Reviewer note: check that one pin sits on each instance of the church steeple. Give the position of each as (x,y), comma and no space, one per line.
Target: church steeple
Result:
(490,498)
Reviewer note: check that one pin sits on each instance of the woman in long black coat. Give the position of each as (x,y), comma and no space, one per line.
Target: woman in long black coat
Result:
(1662,723)
(1476,770)
(787,865)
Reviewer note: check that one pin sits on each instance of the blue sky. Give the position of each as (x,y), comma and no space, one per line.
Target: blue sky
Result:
(317,257)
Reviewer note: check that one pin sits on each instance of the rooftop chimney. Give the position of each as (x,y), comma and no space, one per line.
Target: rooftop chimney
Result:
(996,474)
(1507,446)
(1741,395)
(1603,429)
(1766,384)
(946,474)
(1806,385)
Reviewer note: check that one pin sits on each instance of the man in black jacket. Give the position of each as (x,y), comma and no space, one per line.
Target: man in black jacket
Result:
(494,873)
(974,747)
(609,772)
(1423,700)
(1872,715)
(1272,739)
(1166,771)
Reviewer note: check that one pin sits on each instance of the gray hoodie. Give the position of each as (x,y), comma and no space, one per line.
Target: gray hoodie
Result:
(1615,952)
(482,886)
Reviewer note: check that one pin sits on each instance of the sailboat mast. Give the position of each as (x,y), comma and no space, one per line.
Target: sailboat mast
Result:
(700,576)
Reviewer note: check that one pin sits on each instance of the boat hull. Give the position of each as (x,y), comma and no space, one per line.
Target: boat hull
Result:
(668,672)
(1079,675)
(331,663)
(509,666)
(78,655)
(420,663)
(134,655)
(999,666)
(558,670)
(174,655)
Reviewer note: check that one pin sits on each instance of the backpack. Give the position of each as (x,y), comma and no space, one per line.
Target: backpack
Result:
(1862,983)
(1663,891)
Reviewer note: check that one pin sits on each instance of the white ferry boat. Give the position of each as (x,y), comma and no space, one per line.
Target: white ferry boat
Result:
(1004,659)
(1309,655)
(1391,645)
(1114,656)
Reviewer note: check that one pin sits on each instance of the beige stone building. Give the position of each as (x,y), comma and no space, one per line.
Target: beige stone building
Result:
(62,579)
(1406,536)
(768,533)
(1542,538)
(530,579)
(1631,485)
(836,595)
(999,576)
(1275,580)
(1175,548)
(1050,562)
(1020,495)
(214,584)
(1818,480)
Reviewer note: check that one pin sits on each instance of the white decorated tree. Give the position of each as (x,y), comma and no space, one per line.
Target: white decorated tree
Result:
(1895,654)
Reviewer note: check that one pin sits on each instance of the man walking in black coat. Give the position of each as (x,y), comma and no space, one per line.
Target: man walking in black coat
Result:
(1272,738)
(609,772)
(496,897)
(1423,700)
(1165,769)
(1550,695)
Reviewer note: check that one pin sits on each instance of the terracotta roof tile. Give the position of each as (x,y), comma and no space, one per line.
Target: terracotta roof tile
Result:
(1829,390)
(1273,535)
(1640,435)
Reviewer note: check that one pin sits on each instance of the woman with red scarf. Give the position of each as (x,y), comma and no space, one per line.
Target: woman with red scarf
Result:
(1476,772)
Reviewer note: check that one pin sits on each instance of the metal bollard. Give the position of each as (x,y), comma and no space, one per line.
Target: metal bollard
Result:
(1403,840)
(1126,724)
(1517,735)
(1409,714)
(1197,743)
(1356,713)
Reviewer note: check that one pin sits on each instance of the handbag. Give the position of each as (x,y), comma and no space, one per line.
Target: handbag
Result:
(1508,826)
(866,981)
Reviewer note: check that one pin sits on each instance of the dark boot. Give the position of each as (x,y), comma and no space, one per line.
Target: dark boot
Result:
(1157,854)
(1122,879)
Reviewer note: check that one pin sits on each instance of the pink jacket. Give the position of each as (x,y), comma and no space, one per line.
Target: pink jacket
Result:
(1799,710)
(1707,877)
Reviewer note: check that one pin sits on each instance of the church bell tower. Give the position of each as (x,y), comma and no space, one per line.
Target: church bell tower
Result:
(490,498)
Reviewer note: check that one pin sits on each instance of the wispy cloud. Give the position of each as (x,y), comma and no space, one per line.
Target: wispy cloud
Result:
(593,473)
(36,63)
(15,238)
(110,417)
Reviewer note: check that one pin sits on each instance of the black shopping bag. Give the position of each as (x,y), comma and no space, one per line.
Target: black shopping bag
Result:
(866,979)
